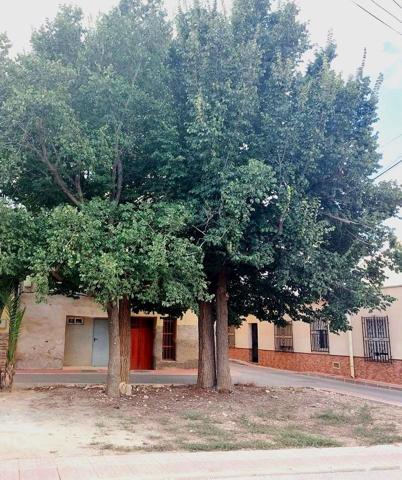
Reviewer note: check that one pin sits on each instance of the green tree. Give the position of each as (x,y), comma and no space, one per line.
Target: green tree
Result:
(277,163)
(119,251)
(88,115)
(19,235)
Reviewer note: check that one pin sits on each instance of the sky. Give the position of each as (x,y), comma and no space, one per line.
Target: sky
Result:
(353,29)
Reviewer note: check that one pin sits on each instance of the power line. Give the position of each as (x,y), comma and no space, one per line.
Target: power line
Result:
(387,11)
(377,18)
(399,160)
(392,140)
(399,5)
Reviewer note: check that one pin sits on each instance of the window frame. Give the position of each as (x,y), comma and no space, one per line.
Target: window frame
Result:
(284,341)
(319,330)
(169,347)
(376,336)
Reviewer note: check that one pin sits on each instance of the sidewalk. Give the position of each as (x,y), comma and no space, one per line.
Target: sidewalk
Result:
(303,463)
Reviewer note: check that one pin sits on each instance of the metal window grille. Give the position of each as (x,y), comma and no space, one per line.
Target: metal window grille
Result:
(376,341)
(319,336)
(169,339)
(75,321)
(284,338)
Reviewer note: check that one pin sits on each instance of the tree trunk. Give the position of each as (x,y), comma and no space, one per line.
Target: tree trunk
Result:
(206,344)
(7,377)
(113,372)
(224,380)
(125,339)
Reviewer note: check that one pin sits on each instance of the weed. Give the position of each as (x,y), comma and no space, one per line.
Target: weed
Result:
(291,438)
(333,417)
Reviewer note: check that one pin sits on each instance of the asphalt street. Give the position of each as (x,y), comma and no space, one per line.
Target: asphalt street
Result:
(260,376)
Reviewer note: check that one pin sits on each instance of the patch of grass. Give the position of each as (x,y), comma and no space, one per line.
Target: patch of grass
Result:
(163,420)
(193,415)
(378,434)
(253,427)
(292,438)
(332,417)
(100,425)
(364,416)
(226,446)
(207,429)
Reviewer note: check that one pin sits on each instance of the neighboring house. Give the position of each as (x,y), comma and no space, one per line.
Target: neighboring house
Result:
(68,332)
(371,351)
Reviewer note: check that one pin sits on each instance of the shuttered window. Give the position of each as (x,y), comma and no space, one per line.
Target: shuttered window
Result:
(284,338)
(169,339)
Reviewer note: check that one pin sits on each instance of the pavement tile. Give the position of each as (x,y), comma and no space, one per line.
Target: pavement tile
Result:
(108,472)
(40,473)
(77,472)
(9,474)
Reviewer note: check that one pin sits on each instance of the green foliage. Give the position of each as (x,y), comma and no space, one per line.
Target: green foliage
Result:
(14,313)
(279,164)
(117,250)
(211,145)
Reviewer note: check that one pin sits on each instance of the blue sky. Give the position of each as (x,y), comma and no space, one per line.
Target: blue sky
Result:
(353,29)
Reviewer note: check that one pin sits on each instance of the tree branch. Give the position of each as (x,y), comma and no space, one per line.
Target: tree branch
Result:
(57,177)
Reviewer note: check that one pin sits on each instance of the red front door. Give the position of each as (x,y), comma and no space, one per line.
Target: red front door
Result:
(142,343)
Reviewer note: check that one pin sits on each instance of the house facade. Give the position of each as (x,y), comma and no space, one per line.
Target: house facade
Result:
(73,333)
(372,350)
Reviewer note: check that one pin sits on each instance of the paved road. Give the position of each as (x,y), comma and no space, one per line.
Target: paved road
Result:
(359,463)
(261,376)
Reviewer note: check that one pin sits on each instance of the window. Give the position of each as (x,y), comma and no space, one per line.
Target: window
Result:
(284,338)
(319,336)
(169,339)
(75,321)
(232,336)
(376,342)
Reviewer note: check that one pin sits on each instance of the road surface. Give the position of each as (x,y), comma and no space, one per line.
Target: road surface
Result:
(260,376)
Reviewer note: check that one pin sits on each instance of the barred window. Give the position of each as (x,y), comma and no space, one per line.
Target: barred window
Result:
(284,338)
(376,341)
(319,336)
(169,339)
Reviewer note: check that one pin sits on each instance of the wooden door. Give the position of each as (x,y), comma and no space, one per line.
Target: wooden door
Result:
(254,342)
(142,343)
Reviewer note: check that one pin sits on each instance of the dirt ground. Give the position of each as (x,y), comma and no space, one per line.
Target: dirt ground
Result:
(70,421)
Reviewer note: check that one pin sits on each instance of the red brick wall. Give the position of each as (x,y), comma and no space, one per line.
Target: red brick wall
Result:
(379,372)
(3,348)
(324,363)
(243,354)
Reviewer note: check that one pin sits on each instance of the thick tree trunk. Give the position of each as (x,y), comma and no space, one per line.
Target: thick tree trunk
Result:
(206,343)
(125,339)
(7,377)
(224,380)
(113,372)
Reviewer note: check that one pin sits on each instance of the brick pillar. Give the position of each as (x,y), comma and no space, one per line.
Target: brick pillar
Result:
(3,349)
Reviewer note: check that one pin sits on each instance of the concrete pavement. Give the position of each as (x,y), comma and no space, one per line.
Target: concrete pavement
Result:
(368,463)
(261,376)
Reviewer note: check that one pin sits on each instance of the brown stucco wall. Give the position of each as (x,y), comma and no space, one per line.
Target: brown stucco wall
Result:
(42,338)
(78,344)
(47,342)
